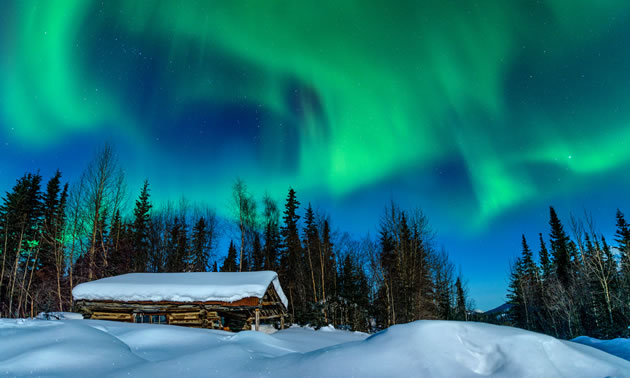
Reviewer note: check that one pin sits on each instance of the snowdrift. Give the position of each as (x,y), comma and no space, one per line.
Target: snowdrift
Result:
(618,347)
(424,348)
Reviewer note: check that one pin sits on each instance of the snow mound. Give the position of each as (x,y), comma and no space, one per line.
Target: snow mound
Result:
(618,347)
(460,349)
(58,315)
(425,348)
(180,287)
(60,348)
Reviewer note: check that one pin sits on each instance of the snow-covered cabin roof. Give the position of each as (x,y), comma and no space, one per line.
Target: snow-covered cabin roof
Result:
(180,287)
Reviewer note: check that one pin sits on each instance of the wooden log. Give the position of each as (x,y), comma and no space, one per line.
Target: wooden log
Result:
(123,317)
(186,315)
(257,320)
(196,314)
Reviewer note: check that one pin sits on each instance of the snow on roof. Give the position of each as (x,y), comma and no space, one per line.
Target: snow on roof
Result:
(180,287)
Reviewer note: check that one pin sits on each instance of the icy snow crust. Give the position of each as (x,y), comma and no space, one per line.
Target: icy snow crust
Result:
(180,287)
(73,348)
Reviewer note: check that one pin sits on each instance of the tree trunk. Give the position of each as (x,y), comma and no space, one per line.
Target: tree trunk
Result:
(15,269)
(242,227)
(323,280)
(310,263)
(4,254)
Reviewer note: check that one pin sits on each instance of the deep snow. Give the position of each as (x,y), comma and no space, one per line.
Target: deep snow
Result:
(74,348)
(618,347)
(180,287)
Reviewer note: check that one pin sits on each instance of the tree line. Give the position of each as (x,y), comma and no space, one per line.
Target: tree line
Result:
(55,236)
(580,284)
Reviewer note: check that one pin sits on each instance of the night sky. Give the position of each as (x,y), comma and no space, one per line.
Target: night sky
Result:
(482,113)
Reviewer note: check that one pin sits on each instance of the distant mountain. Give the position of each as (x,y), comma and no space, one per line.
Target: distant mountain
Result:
(498,310)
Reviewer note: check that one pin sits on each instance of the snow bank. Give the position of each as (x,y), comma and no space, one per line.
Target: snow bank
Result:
(180,287)
(57,315)
(424,348)
(617,347)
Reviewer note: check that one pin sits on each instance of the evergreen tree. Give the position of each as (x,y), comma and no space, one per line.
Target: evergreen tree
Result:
(524,289)
(560,248)
(272,246)
(50,229)
(271,234)
(258,256)
(51,262)
(354,295)
(622,238)
(424,306)
(141,229)
(328,264)
(121,246)
(622,234)
(177,247)
(528,259)
(460,303)
(20,216)
(389,266)
(229,264)
(200,246)
(291,270)
(311,246)
(516,296)
(545,262)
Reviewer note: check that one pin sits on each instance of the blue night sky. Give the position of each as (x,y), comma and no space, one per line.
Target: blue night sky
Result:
(482,114)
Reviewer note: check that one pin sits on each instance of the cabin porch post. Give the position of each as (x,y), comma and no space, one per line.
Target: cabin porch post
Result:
(257,319)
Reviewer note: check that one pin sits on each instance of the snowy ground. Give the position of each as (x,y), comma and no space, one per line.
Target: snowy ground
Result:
(75,348)
(618,347)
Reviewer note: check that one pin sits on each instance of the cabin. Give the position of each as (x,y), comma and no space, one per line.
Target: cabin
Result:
(216,300)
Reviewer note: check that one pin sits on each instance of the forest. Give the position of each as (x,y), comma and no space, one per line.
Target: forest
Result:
(580,284)
(55,235)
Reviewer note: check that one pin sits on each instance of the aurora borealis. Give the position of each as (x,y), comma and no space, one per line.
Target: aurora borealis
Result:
(483,113)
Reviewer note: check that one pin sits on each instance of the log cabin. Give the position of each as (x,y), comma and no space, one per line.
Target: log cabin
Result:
(216,300)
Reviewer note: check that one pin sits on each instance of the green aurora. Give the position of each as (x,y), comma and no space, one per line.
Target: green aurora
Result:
(370,90)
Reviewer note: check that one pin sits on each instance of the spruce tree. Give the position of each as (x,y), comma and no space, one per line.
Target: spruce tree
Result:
(329,265)
(271,234)
(141,229)
(20,216)
(622,238)
(272,246)
(545,262)
(516,297)
(389,271)
(229,264)
(311,246)
(291,269)
(175,256)
(200,247)
(353,295)
(51,230)
(51,262)
(460,302)
(258,257)
(422,283)
(528,259)
(118,250)
(560,248)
